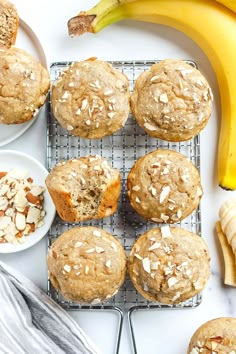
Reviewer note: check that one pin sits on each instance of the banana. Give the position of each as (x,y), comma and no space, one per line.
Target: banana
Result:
(227,215)
(208,23)
(229,262)
(226,231)
(230,4)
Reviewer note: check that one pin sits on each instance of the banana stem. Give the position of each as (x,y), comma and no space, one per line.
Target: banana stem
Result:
(97,18)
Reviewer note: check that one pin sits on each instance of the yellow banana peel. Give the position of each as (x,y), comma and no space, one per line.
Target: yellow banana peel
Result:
(212,25)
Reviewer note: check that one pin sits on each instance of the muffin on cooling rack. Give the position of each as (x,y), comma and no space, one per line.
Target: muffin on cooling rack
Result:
(87,265)
(169,265)
(164,186)
(215,336)
(172,101)
(24,85)
(9,20)
(84,188)
(91,99)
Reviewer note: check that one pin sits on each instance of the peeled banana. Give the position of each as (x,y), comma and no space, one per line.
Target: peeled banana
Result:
(229,261)
(226,230)
(212,25)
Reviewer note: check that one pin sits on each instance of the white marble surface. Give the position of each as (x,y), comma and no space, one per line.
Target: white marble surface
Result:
(165,331)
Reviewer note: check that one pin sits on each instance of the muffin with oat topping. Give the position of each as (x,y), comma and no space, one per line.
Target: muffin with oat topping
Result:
(215,336)
(24,86)
(84,188)
(172,101)
(87,265)
(164,186)
(91,99)
(169,265)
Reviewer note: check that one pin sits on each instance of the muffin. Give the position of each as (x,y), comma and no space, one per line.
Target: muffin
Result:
(172,101)
(84,188)
(87,265)
(215,336)
(164,186)
(91,99)
(9,23)
(24,85)
(169,265)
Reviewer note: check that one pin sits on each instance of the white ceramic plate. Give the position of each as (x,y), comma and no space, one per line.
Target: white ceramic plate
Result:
(26,39)
(10,159)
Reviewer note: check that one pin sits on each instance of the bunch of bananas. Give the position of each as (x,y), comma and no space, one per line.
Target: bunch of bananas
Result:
(212,25)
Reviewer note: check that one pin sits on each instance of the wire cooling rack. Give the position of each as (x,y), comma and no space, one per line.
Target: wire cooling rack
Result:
(121,149)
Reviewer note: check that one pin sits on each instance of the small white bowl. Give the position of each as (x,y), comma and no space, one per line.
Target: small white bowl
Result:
(10,159)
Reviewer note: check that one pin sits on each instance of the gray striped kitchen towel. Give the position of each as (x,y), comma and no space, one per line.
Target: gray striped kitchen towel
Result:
(31,322)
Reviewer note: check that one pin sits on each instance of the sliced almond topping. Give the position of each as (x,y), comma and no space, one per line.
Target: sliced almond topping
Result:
(214,345)
(78,112)
(76,267)
(112,100)
(86,270)
(197,285)
(164,98)
(136,188)
(146,265)
(97,233)
(137,200)
(138,256)
(111,115)
(108,92)
(84,104)
(172,281)
(67,268)
(164,193)
(65,95)
(165,231)
(95,301)
(69,127)
(185,72)
(179,213)
(154,246)
(99,249)
(150,127)
(153,191)
(154,265)
(91,250)
(165,171)
(184,178)
(113,245)
(164,217)
(154,78)
(88,122)
(108,263)
(156,220)
(78,244)
(97,84)
(175,298)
